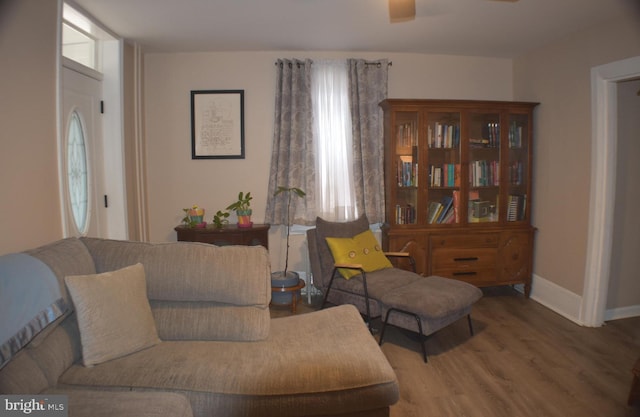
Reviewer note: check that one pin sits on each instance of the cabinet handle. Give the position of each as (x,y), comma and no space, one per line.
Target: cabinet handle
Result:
(470,258)
(465,273)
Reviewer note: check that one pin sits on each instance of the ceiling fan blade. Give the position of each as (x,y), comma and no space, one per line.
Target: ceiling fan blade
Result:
(402,10)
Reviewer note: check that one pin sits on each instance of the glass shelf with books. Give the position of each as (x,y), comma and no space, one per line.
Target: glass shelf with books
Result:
(517,167)
(484,144)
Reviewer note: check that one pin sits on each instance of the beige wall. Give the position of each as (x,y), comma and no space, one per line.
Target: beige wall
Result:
(624,285)
(175,181)
(29,206)
(558,76)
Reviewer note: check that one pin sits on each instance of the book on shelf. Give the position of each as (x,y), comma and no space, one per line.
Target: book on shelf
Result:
(442,135)
(405,214)
(440,212)
(516,207)
(433,210)
(406,135)
(446,203)
(478,142)
(516,173)
(456,206)
(407,175)
(493,133)
(446,175)
(484,173)
(515,136)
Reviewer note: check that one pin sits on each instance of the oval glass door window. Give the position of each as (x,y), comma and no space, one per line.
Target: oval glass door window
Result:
(77,175)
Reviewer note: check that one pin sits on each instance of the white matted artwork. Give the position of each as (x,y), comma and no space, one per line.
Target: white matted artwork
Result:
(217,124)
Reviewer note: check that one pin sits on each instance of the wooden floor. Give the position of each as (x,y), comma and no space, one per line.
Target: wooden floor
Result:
(524,361)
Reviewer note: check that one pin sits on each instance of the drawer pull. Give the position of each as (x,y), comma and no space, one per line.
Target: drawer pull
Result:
(464,273)
(470,258)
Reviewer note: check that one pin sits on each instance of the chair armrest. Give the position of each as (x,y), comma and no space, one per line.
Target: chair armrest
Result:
(406,255)
(398,254)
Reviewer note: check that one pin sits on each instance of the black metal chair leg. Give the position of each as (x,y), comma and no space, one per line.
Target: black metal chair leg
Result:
(366,300)
(421,335)
(326,293)
(470,324)
(384,326)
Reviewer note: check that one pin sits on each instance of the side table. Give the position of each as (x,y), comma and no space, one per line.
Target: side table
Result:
(295,294)
(230,234)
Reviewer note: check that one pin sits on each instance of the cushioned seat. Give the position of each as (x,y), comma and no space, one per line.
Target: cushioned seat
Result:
(427,305)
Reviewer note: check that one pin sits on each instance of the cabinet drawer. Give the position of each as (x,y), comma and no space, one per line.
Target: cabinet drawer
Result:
(479,277)
(476,240)
(465,260)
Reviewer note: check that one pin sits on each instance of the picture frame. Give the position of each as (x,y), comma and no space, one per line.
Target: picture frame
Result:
(217,124)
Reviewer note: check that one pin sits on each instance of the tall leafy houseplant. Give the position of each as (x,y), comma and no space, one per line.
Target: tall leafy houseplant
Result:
(291,191)
(242,207)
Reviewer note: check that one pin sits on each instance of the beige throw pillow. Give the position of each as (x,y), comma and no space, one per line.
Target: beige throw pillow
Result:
(113,313)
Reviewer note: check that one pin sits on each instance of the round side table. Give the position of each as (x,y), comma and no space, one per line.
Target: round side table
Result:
(295,294)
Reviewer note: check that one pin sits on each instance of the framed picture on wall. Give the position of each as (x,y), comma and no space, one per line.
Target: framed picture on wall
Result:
(217,124)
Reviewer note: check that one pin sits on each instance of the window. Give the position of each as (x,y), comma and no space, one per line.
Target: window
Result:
(81,38)
(332,133)
(77,174)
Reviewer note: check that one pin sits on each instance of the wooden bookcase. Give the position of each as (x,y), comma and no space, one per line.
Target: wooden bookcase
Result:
(458,188)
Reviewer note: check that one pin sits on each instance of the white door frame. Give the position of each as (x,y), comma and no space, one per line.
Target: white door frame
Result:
(604,140)
(111,50)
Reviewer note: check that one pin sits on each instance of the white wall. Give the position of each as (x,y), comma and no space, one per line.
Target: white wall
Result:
(175,181)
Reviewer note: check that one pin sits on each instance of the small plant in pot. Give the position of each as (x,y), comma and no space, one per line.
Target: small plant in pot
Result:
(220,219)
(194,217)
(242,207)
(286,278)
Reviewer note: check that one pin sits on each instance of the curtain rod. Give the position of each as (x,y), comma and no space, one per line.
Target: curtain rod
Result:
(378,64)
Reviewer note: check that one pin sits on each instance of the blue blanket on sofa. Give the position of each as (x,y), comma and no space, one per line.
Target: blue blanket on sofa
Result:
(30,299)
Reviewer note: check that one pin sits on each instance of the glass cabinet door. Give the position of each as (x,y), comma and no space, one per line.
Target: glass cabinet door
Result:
(443,168)
(484,167)
(406,168)
(517,167)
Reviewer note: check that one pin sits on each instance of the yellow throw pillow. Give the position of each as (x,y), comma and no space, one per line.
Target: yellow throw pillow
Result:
(362,249)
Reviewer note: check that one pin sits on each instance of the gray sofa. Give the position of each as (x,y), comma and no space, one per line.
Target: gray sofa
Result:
(217,351)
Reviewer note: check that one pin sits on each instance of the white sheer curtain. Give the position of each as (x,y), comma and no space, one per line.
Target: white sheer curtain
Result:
(335,196)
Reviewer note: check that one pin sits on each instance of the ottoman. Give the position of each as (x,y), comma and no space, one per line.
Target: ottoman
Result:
(427,305)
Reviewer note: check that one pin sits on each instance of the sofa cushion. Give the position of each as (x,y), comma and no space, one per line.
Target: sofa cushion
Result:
(236,275)
(200,320)
(113,313)
(214,280)
(362,249)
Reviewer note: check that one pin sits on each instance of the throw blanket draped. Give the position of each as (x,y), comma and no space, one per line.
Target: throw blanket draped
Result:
(30,299)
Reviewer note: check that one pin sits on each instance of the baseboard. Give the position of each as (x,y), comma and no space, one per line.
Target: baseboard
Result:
(622,313)
(556,298)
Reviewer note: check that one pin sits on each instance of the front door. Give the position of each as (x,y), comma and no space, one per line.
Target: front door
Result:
(82,176)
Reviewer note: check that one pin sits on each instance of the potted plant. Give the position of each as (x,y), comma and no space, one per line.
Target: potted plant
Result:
(194,217)
(242,207)
(283,279)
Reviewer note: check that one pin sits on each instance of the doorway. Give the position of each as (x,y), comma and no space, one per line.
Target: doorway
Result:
(91,88)
(604,79)
(82,150)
